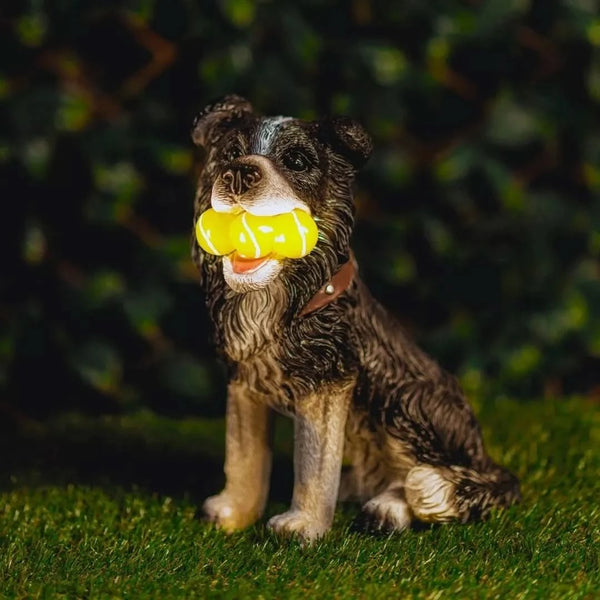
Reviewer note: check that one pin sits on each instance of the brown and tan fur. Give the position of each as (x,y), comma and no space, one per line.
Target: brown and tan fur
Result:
(357,388)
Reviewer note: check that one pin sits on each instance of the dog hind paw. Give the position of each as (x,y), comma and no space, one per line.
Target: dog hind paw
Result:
(388,512)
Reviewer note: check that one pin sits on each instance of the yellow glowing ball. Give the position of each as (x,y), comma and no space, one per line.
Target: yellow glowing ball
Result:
(295,234)
(290,235)
(252,236)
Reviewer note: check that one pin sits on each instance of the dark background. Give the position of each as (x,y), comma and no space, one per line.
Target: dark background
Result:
(478,215)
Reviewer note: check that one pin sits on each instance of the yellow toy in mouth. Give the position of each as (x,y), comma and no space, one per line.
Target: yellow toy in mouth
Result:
(288,235)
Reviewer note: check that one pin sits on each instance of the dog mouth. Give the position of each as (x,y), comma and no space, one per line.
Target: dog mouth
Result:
(246,266)
(248,274)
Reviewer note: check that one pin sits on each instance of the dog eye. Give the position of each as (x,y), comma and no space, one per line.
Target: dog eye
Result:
(232,152)
(296,161)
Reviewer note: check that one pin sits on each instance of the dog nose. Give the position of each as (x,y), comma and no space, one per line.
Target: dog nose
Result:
(241,178)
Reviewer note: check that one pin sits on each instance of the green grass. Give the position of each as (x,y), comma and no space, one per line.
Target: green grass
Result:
(107,508)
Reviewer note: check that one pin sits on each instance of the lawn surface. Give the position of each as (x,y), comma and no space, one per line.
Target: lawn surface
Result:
(106,507)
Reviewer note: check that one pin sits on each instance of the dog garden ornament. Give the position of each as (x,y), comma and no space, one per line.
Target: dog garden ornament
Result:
(301,335)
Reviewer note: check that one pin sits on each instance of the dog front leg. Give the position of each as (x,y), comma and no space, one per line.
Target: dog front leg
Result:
(318,448)
(247,463)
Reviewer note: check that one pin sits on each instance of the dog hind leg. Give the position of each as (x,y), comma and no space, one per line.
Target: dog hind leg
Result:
(366,474)
(453,477)
(387,509)
(446,493)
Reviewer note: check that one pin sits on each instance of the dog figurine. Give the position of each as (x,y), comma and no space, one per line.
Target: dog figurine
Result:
(304,337)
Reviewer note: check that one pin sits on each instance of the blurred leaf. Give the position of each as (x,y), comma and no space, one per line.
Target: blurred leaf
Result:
(99,364)
(593,80)
(403,268)
(177,248)
(5,87)
(594,340)
(591,174)
(36,157)
(145,307)
(176,160)
(439,237)
(74,111)
(144,9)
(103,286)
(34,244)
(511,123)
(186,376)
(594,243)
(523,361)
(4,151)
(576,313)
(120,179)
(123,183)
(239,12)
(31,29)
(494,12)
(388,64)
(472,380)
(571,315)
(513,196)
(396,169)
(593,32)
(438,51)
(455,165)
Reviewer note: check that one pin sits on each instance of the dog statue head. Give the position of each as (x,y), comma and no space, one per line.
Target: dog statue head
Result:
(272,165)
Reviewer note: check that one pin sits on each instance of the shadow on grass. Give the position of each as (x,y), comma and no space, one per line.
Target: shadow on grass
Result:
(180,458)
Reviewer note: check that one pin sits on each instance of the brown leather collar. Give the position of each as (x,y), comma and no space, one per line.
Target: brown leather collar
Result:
(337,285)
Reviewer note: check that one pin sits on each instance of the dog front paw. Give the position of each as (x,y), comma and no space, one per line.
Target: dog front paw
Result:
(300,524)
(228,514)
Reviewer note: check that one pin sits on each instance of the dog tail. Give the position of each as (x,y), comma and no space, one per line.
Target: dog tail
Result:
(447,493)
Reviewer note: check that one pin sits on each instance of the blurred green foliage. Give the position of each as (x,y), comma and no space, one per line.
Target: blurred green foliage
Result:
(479,214)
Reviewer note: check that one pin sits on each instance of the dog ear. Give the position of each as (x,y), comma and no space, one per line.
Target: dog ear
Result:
(217,116)
(348,138)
